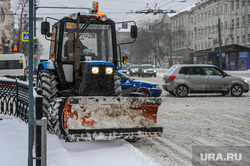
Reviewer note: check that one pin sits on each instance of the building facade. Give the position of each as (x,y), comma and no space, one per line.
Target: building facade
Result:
(6,26)
(196,33)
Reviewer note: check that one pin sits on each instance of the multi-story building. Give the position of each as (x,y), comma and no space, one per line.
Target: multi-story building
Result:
(234,16)
(181,43)
(195,33)
(6,26)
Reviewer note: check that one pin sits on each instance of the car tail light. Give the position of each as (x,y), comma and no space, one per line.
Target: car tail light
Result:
(25,72)
(172,77)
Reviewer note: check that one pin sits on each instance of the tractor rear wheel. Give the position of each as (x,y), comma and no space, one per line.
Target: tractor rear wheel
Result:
(47,81)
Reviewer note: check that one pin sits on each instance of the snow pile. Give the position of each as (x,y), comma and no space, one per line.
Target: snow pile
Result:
(97,114)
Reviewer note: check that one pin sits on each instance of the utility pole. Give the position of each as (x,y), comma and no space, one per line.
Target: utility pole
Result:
(220,54)
(170,50)
(219,35)
(31,113)
(35,47)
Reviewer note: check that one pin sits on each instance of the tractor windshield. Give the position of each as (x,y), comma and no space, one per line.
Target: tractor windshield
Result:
(95,42)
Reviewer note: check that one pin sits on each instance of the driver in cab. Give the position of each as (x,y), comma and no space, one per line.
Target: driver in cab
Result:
(70,47)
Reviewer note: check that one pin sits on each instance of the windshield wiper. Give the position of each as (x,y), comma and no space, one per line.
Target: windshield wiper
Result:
(84,27)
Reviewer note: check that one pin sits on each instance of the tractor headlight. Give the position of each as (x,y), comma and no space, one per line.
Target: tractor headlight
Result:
(109,70)
(95,70)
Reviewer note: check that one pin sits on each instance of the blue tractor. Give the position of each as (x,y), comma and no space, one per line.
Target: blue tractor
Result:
(82,93)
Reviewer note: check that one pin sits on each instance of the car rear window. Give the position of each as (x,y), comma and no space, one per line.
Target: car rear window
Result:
(11,64)
(171,69)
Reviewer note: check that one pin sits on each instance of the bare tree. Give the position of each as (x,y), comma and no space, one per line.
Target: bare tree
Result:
(22,8)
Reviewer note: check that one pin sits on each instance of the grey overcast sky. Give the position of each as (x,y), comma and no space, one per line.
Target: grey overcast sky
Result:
(118,10)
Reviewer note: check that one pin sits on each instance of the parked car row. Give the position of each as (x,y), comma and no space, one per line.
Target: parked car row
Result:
(143,70)
(180,80)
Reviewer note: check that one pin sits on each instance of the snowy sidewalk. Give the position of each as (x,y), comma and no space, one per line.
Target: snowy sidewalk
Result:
(14,149)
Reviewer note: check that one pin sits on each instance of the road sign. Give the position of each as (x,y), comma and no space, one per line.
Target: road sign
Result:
(25,36)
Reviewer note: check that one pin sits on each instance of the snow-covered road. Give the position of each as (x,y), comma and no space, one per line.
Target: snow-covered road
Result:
(197,120)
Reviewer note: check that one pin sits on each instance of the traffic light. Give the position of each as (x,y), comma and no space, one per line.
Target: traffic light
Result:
(35,43)
(95,7)
(15,48)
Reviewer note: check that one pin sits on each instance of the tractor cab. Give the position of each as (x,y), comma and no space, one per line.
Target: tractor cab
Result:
(84,49)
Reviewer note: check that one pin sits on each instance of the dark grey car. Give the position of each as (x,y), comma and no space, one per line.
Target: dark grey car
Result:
(146,70)
(183,79)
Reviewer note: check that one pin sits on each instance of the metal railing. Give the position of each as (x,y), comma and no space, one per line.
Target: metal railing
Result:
(14,101)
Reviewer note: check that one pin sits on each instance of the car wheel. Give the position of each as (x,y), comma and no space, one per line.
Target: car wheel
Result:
(155,75)
(181,91)
(145,91)
(236,90)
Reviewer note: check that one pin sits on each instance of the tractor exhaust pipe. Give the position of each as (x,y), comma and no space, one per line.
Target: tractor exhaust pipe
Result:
(78,55)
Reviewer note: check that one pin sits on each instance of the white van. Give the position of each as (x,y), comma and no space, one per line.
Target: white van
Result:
(13,65)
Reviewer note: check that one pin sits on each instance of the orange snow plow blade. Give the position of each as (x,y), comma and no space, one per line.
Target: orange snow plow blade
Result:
(106,118)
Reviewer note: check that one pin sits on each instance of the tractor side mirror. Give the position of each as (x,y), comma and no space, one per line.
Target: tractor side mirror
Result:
(133,31)
(45,27)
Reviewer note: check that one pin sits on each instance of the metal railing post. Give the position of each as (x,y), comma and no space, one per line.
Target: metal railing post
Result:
(38,116)
(43,150)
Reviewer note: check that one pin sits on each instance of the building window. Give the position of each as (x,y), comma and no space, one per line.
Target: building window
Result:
(221,10)
(248,38)
(209,14)
(213,12)
(232,5)
(243,39)
(248,18)
(205,15)
(238,40)
(124,25)
(192,20)
(238,4)
(201,16)
(238,22)
(225,25)
(243,20)
(232,24)
(243,3)
(225,10)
